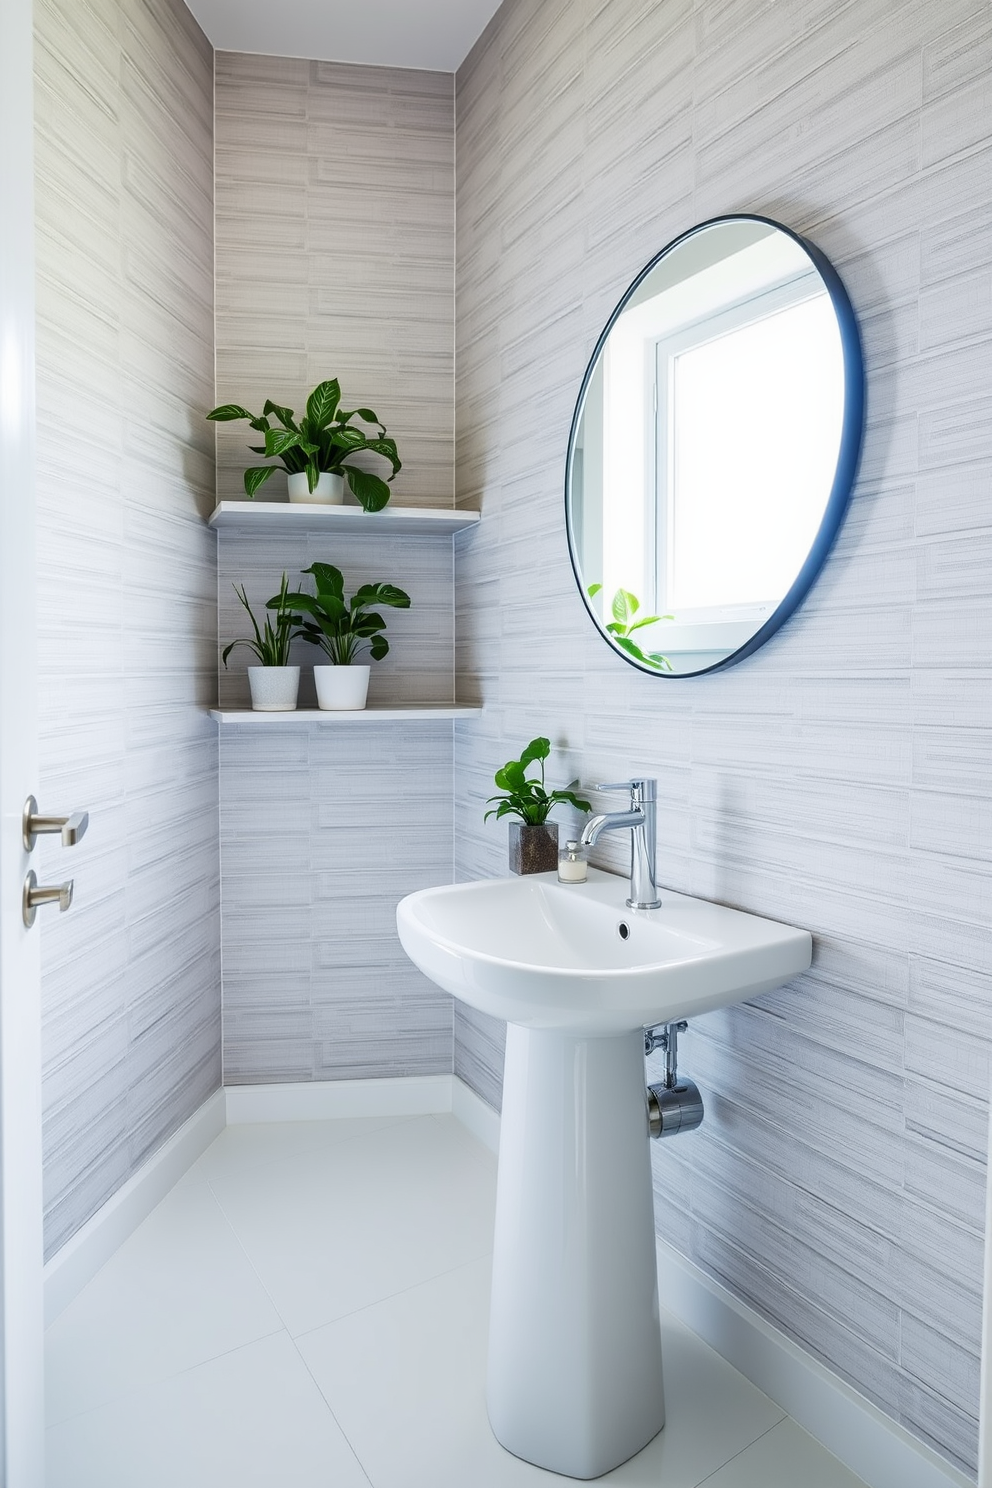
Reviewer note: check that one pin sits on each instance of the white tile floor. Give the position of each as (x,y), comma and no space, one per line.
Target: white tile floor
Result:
(308,1309)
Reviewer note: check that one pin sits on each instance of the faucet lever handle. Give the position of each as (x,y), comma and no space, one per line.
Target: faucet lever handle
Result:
(643,788)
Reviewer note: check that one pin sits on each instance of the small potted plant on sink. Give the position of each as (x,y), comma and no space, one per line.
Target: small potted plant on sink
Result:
(533,839)
(341,628)
(274,684)
(318,450)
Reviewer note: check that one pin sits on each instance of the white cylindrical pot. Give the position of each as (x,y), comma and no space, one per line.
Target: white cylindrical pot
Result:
(274,689)
(575,1379)
(329,490)
(341,688)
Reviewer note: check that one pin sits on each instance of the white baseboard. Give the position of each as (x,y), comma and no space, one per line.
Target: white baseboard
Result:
(475,1114)
(862,1437)
(874,1447)
(327,1100)
(80,1258)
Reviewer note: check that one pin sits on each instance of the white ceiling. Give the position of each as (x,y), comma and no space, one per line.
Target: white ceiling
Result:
(432,34)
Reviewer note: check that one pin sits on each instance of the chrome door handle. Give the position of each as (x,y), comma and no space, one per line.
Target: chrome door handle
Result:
(34,825)
(35,895)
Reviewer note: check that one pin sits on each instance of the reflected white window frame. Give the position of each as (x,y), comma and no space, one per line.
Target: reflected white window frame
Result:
(716,628)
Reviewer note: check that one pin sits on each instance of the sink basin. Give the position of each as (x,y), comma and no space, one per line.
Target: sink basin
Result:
(575,1369)
(542,954)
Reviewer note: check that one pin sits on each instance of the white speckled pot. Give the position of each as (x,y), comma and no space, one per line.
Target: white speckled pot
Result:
(341,688)
(274,689)
(329,490)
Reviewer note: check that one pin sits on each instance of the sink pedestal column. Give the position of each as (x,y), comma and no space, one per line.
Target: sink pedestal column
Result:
(575,1381)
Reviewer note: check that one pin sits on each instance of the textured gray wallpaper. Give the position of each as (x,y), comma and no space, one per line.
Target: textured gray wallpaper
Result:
(840,779)
(335,257)
(131,976)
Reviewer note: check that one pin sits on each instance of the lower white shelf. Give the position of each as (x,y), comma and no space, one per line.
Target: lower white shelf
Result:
(428,712)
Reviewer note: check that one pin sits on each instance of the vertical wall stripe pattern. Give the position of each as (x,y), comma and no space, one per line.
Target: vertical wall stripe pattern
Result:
(840,779)
(131,976)
(335,257)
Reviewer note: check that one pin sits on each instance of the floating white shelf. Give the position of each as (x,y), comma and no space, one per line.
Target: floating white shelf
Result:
(428,712)
(281,517)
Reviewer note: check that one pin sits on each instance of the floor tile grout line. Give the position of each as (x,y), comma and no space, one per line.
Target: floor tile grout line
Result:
(244,1251)
(331,1412)
(448,1270)
(121,1397)
(746,1448)
(392,1296)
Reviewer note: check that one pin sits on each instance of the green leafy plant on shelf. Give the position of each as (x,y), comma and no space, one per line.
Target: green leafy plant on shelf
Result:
(271,641)
(528,797)
(624,608)
(326,438)
(342,627)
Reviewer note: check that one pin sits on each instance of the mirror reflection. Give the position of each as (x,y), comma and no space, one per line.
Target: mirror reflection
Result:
(713,446)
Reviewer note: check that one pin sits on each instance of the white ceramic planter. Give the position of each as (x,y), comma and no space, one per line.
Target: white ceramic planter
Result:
(341,688)
(274,689)
(329,490)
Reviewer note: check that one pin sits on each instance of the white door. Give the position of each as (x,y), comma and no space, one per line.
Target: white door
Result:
(21,1310)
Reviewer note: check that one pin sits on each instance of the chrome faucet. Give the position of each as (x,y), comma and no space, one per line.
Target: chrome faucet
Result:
(642,820)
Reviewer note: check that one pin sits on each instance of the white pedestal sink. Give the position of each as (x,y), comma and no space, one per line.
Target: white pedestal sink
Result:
(575,1375)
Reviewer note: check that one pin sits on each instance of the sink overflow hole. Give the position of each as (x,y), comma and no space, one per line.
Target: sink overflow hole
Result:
(623,930)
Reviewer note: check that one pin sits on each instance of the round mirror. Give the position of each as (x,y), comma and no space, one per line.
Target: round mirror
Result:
(714,446)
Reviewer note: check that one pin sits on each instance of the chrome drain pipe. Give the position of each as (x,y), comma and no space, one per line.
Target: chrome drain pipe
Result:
(675,1105)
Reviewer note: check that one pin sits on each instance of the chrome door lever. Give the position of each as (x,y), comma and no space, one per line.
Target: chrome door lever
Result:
(34,825)
(35,895)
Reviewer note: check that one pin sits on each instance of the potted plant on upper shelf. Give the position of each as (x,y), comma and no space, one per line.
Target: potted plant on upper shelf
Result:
(317,451)
(533,839)
(341,628)
(274,684)
(621,628)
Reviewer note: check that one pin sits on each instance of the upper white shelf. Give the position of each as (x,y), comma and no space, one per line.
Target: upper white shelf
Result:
(426,712)
(281,517)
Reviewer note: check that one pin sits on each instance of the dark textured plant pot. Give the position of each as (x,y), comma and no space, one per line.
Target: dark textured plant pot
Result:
(533,849)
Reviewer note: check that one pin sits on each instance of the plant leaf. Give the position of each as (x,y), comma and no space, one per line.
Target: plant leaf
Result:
(362,413)
(322,403)
(537,749)
(625,606)
(578,802)
(279,440)
(228,411)
(593,590)
(378,647)
(372,492)
(367,622)
(284,415)
(511,777)
(386,594)
(344,438)
(256,476)
(329,580)
(387,448)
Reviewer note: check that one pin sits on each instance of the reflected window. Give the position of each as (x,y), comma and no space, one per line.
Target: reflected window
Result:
(750,408)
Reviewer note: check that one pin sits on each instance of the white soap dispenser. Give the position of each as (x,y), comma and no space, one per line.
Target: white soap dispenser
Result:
(573,864)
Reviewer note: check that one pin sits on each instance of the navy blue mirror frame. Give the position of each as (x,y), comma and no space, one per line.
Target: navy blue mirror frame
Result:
(849,453)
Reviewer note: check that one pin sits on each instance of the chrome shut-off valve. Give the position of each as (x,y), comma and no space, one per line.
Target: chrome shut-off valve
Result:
(675,1105)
